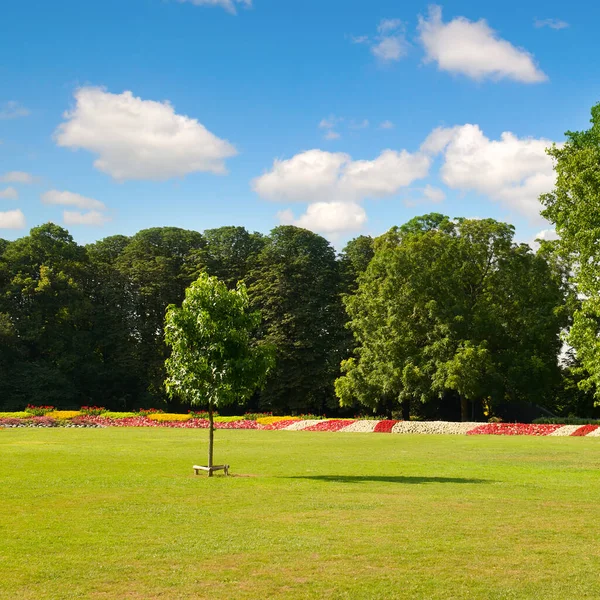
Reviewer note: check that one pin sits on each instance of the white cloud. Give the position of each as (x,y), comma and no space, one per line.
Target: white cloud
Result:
(93,217)
(333,185)
(387,25)
(386,125)
(390,48)
(434,194)
(547,234)
(511,170)
(328,217)
(71,199)
(140,139)
(332,135)
(319,176)
(12,219)
(228,5)
(390,43)
(552,23)
(475,50)
(13,110)
(9,193)
(17,177)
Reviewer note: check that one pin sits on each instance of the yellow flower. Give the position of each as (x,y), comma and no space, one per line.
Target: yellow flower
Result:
(162,417)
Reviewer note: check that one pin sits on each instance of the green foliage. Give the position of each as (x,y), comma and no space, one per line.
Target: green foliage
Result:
(213,359)
(574,208)
(296,286)
(452,307)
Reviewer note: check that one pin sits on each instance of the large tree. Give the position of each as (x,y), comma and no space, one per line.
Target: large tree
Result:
(574,208)
(214,361)
(46,319)
(296,285)
(156,266)
(452,307)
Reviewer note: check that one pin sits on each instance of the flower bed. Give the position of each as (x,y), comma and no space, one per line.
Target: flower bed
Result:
(585,430)
(361,426)
(330,425)
(154,418)
(433,427)
(513,429)
(385,426)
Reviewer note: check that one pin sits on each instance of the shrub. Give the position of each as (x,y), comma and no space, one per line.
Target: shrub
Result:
(256,416)
(201,414)
(146,412)
(38,411)
(15,415)
(566,421)
(92,411)
(230,419)
(109,414)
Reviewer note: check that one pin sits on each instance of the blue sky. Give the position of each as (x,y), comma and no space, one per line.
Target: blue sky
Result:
(343,116)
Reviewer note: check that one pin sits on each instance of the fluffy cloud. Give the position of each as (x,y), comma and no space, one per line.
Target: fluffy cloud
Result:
(333,185)
(9,193)
(328,217)
(17,177)
(434,194)
(319,176)
(228,5)
(475,50)
(93,217)
(140,139)
(71,199)
(552,23)
(512,170)
(13,110)
(12,219)
(390,42)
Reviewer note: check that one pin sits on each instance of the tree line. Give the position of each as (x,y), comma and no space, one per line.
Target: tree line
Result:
(437,318)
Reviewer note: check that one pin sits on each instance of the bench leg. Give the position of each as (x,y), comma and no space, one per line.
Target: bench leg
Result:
(226,469)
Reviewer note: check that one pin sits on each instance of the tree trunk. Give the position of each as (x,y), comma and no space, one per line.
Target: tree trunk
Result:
(406,410)
(211,438)
(464,409)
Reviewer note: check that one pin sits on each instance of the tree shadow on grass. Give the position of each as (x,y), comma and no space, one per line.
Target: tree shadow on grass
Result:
(404,479)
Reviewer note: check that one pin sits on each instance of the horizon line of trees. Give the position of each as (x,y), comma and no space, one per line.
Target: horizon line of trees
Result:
(439,318)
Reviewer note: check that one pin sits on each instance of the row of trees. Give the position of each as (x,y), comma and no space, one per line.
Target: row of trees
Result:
(438,315)
(441,317)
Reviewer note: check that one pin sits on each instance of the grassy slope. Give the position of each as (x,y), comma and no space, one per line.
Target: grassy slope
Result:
(117,513)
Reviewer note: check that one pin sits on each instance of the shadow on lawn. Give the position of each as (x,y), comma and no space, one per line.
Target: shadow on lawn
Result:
(388,479)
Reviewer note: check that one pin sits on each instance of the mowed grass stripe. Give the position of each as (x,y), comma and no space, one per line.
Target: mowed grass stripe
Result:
(118,513)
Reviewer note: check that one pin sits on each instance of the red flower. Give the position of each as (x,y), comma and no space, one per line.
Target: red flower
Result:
(385,426)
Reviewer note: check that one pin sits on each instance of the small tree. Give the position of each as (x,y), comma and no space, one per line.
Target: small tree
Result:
(213,359)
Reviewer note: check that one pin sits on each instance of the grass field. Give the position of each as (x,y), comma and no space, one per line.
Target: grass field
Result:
(117,513)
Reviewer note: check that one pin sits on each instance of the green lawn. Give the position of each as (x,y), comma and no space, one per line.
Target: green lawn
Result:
(118,513)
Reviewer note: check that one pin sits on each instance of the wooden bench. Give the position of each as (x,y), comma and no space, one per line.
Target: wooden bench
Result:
(224,468)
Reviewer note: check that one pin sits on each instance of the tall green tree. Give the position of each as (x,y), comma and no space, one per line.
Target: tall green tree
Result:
(156,265)
(47,320)
(296,285)
(574,208)
(230,253)
(214,360)
(452,307)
